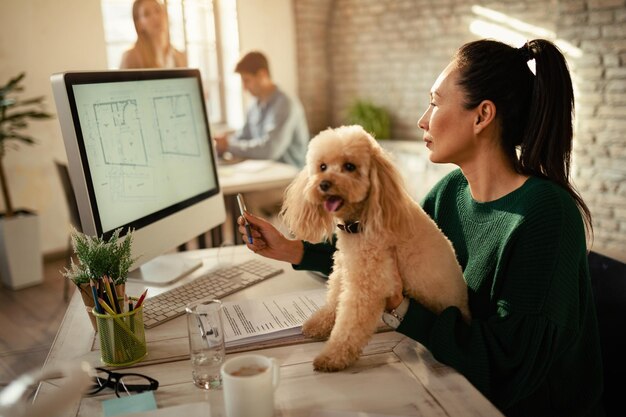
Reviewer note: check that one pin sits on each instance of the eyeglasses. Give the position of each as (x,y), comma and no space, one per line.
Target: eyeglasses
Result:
(121,382)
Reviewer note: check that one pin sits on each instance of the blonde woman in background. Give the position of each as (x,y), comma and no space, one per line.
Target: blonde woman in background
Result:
(152,49)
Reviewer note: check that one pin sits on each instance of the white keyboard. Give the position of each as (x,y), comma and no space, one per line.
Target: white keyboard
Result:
(215,284)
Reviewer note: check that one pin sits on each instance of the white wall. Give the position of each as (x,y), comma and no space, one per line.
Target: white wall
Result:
(269,27)
(42,37)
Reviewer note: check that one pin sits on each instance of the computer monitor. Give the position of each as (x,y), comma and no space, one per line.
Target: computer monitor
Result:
(140,157)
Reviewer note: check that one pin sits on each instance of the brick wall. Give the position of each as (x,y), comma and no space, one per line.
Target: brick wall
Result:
(391,51)
(314,80)
(598,28)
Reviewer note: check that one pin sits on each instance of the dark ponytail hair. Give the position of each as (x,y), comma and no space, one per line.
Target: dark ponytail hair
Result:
(535,112)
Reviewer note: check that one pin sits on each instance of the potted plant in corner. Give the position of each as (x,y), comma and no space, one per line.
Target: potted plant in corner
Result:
(99,259)
(374,119)
(20,255)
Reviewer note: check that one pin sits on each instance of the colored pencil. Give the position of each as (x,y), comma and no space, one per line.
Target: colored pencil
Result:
(109,292)
(131,317)
(107,307)
(114,292)
(94,292)
(141,298)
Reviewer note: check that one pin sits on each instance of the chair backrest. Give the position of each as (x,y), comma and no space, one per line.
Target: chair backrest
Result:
(64,176)
(608,279)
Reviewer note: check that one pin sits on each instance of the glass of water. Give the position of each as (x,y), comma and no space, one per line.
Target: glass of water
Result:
(206,343)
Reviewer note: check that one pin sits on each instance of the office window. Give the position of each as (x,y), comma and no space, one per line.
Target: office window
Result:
(206,30)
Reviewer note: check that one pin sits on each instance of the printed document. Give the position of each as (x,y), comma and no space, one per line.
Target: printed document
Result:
(252,321)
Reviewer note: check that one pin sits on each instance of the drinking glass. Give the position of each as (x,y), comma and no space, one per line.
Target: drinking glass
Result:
(206,343)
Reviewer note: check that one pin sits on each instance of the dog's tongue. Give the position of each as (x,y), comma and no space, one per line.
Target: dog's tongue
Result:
(333,203)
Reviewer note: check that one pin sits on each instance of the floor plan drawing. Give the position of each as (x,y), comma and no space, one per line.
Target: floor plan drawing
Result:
(121,135)
(176,125)
(136,136)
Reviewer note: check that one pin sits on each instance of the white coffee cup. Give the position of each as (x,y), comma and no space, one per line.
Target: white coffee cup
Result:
(249,382)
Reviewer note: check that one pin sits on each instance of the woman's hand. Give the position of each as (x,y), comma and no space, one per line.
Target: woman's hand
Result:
(269,242)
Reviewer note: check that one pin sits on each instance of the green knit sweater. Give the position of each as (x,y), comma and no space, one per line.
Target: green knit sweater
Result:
(532,347)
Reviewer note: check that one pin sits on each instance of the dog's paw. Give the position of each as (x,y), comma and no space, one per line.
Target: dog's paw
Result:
(319,325)
(315,330)
(335,357)
(330,363)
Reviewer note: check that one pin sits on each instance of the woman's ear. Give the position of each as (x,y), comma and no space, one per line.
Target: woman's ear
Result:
(485,115)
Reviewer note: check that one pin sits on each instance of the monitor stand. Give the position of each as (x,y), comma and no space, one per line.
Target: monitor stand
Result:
(164,270)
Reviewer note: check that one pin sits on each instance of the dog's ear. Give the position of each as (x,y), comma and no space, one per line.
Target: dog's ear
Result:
(387,207)
(305,219)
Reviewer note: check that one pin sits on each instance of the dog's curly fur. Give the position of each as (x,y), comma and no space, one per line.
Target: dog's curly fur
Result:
(349,177)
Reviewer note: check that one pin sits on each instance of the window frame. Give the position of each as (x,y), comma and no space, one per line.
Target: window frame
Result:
(116,45)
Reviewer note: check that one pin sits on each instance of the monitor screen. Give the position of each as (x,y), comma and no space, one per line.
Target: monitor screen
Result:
(140,157)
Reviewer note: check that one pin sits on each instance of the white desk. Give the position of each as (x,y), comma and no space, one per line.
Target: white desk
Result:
(254,175)
(251,175)
(395,375)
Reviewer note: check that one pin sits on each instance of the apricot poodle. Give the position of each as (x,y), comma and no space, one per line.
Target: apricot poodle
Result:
(350,187)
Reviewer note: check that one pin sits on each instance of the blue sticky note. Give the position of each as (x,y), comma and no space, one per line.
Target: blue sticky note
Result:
(130,404)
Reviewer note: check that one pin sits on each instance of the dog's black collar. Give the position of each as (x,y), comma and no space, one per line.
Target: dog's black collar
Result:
(352,227)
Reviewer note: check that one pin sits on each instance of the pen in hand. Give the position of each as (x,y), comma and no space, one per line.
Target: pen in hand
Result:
(248,231)
(246,224)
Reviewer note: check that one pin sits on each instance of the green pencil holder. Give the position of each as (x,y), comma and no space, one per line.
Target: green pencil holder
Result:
(122,337)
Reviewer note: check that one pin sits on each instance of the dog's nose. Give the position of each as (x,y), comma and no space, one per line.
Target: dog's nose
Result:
(325,185)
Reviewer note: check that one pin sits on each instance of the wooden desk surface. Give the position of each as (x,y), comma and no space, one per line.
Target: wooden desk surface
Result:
(395,375)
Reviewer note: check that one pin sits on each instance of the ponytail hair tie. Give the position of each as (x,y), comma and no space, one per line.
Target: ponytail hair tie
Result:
(525,52)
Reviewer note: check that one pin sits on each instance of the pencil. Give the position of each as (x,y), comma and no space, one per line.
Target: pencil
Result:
(141,298)
(106,307)
(114,292)
(121,325)
(105,291)
(110,294)
(131,317)
(94,292)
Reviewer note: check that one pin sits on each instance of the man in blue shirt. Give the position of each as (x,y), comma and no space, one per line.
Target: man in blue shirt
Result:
(275,127)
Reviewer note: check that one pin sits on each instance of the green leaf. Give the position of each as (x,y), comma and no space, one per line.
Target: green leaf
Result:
(12,85)
(7,102)
(29,140)
(26,114)
(372,118)
(14,121)
(98,257)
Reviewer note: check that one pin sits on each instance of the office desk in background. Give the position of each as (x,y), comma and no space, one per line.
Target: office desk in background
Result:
(254,175)
(394,375)
(251,175)
(241,177)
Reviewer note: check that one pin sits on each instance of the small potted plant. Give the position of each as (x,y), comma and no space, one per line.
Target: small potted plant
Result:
(374,119)
(20,255)
(98,258)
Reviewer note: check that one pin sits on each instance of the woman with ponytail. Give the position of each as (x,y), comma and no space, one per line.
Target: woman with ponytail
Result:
(518,227)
